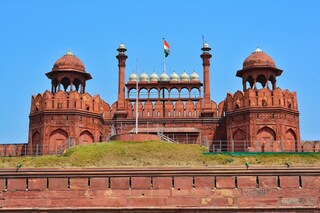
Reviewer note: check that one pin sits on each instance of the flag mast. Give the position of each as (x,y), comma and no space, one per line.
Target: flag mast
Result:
(164,59)
(137,99)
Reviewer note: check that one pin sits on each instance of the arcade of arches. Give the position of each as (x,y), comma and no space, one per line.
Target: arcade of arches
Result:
(261,117)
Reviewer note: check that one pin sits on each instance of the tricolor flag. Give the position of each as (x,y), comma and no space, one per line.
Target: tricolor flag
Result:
(166,47)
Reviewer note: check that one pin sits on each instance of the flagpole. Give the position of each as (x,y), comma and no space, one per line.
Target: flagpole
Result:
(137,99)
(164,59)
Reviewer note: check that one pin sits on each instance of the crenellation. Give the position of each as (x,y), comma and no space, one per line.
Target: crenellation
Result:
(260,117)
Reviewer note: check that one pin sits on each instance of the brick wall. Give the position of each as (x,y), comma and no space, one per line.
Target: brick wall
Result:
(157,191)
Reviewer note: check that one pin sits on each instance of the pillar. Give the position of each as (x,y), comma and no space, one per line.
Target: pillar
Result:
(206,108)
(122,57)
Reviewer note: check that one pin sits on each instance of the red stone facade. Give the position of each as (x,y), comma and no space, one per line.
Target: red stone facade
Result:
(255,119)
(161,190)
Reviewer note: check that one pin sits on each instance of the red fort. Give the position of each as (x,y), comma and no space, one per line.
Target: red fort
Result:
(260,117)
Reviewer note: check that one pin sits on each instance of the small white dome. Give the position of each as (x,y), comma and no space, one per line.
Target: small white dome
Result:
(194,76)
(121,46)
(133,77)
(206,45)
(174,76)
(154,77)
(258,50)
(144,77)
(164,77)
(184,76)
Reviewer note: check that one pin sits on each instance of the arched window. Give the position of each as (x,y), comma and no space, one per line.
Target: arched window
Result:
(249,82)
(262,80)
(77,83)
(174,93)
(184,93)
(65,83)
(164,93)
(132,93)
(195,93)
(143,93)
(153,93)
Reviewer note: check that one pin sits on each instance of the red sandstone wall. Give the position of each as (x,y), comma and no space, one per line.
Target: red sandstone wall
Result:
(135,137)
(213,192)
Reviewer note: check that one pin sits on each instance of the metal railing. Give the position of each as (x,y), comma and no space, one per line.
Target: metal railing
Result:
(217,146)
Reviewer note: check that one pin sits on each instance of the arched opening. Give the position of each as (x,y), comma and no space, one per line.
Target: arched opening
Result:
(132,93)
(65,83)
(262,80)
(54,83)
(239,141)
(85,137)
(195,93)
(57,141)
(272,79)
(77,84)
(290,142)
(36,144)
(174,93)
(265,138)
(143,93)
(153,93)
(164,93)
(184,93)
(249,82)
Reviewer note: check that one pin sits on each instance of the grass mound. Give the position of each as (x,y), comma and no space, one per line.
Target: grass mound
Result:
(148,154)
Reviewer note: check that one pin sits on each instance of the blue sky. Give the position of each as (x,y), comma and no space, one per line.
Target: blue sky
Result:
(34,34)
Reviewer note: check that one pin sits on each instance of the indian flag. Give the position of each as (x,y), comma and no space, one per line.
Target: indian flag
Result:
(166,47)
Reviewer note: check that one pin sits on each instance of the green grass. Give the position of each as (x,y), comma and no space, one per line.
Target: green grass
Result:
(149,154)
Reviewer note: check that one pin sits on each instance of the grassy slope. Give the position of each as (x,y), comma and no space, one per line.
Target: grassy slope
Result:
(124,154)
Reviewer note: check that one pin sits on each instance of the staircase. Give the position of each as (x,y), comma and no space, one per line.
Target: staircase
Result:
(165,138)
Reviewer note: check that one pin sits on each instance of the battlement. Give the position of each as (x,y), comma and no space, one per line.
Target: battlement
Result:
(72,100)
(261,98)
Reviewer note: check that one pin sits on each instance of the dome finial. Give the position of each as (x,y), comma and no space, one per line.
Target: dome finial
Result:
(258,50)
(122,48)
(69,52)
(206,47)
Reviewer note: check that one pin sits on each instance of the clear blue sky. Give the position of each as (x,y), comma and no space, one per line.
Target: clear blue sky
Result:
(34,34)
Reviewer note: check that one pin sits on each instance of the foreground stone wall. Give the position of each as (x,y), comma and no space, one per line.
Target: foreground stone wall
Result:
(249,192)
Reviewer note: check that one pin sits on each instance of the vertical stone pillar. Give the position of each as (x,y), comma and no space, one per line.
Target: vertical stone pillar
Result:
(206,108)
(122,57)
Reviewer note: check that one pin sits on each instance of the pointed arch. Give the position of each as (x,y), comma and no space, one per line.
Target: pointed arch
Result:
(239,140)
(174,92)
(58,138)
(86,137)
(262,79)
(290,141)
(65,83)
(265,139)
(266,134)
(36,142)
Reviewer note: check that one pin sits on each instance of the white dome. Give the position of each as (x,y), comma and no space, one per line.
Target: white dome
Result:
(121,46)
(133,77)
(258,50)
(194,76)
(184,76)
(154,77)
(206,45)
(144,77)
(174,76)
(164,77)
